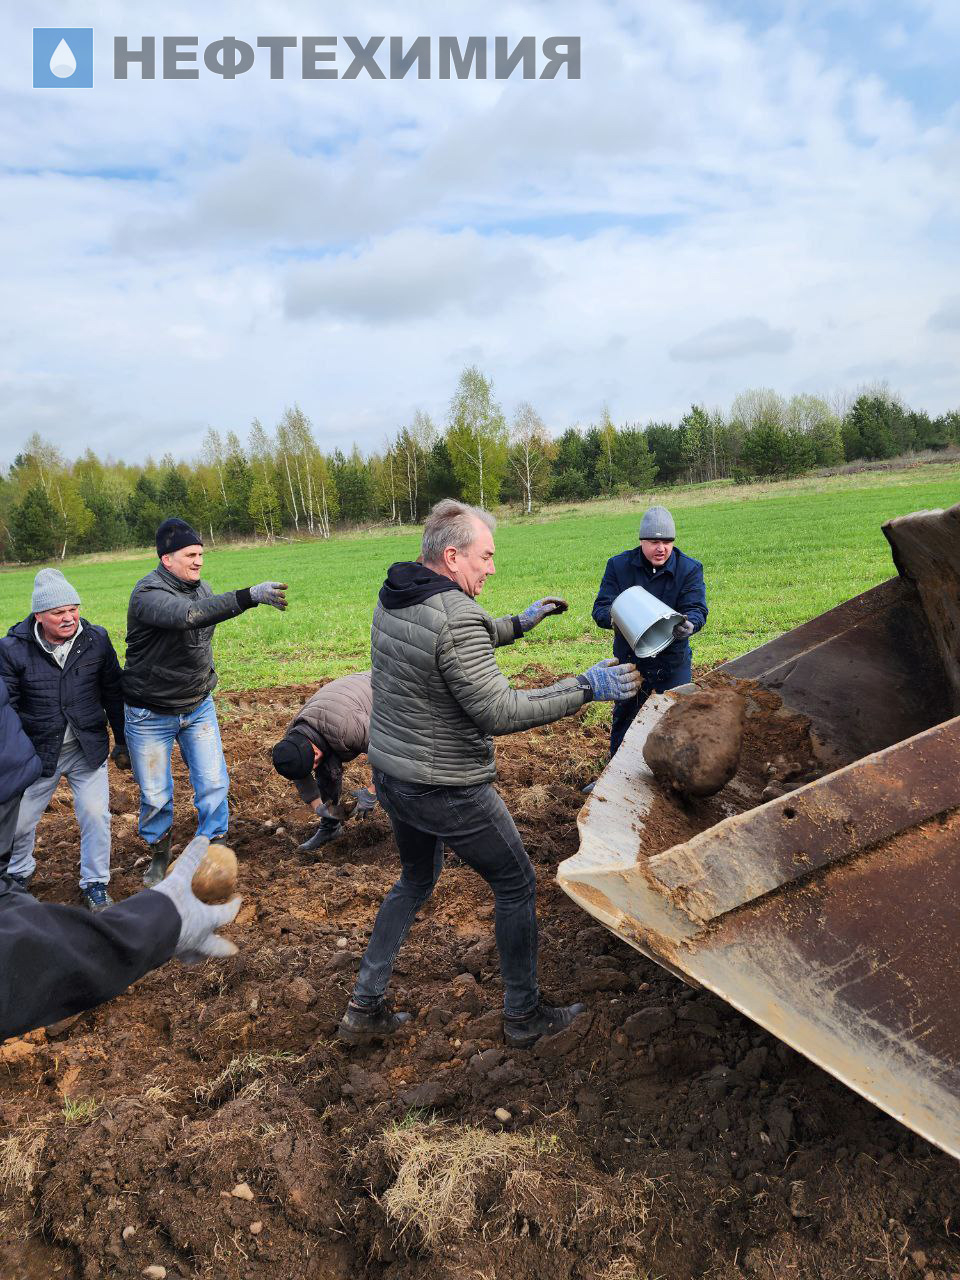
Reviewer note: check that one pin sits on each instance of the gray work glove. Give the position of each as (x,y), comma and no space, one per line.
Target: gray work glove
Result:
(366,801)
(198,922)
(610,681)
(272,593)
(540,609)
(683,630)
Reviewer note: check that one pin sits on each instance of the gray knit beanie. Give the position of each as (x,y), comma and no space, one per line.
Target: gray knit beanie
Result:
(657,523)
(51,590)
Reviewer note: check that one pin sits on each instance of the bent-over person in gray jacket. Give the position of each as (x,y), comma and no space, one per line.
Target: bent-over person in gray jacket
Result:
(330,729)
(439,699)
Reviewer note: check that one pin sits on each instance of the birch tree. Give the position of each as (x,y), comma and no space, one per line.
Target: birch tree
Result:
(477,438)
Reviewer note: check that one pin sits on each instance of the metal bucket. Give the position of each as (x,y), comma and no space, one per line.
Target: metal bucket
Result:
(645,622)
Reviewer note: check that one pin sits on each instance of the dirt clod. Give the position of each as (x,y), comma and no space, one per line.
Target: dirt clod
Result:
(695,748)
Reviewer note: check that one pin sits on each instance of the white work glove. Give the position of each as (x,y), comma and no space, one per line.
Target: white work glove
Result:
(271,593)
(199,921)
(683,630)
(535,613)
(610,681)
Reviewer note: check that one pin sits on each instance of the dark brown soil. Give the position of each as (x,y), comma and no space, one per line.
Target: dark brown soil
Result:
(695,746)
(662,1135)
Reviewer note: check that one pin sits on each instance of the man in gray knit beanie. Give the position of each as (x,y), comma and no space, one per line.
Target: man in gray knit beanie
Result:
(63,679)
(673,577)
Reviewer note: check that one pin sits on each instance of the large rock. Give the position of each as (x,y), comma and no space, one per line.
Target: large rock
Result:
(695,748)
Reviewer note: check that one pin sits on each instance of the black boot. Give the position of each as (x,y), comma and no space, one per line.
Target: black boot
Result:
(328,830)
(159,862)
(360,1026)
(546,1020)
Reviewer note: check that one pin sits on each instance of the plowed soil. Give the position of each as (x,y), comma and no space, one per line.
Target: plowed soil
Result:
(210,1109)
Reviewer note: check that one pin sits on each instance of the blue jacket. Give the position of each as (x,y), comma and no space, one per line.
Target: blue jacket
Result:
(19,763)
(678,584)
(86,691)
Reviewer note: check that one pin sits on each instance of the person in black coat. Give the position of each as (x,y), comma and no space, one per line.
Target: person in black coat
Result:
(63,680)
(168,679)
(676,579)
(57,960)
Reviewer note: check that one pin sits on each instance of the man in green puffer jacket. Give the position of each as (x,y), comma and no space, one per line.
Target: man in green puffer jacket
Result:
(439,699)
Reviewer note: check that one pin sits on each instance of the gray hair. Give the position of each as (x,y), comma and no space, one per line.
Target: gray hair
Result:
(451,524)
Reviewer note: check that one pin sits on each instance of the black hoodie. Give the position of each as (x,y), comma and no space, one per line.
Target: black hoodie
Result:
(410,583)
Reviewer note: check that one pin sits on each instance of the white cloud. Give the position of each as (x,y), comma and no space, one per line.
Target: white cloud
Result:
(712,206)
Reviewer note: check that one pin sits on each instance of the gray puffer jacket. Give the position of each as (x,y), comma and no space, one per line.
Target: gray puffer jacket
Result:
(439,697)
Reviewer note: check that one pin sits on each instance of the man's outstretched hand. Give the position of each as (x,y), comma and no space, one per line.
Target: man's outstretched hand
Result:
(272,593)
(535,613)
(199,922)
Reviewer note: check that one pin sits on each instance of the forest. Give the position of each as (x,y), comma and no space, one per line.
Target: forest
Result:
(281,482)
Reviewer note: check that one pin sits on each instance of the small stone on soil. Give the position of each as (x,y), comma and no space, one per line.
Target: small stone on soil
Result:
(341,943)
(154,1273)
(503,1115)
(128,1232)
(255,1228)
(242,1191)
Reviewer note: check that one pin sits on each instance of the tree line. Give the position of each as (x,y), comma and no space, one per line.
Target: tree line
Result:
(281,483)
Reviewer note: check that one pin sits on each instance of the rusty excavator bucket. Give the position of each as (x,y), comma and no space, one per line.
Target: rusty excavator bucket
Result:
(819,891)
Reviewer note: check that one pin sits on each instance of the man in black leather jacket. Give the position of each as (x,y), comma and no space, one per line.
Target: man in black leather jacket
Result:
(168,678)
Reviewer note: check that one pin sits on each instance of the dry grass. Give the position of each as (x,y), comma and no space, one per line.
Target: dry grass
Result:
(240,1072)
(445,1172)
(20,1157)
(533,801)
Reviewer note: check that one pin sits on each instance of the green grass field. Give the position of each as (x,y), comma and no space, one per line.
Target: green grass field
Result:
(773,557)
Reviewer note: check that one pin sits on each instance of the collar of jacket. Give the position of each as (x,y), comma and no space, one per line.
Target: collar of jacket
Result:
(172,580)
(25,630)
(408,582)
(640,561)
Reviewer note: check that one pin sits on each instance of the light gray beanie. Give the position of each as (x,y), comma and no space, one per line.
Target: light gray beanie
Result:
(51,590)
(657,523)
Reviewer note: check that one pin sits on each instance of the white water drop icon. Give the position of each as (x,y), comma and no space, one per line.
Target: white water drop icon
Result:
(63,64)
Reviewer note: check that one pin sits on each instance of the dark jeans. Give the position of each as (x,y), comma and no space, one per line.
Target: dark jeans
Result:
(9,811)
(624,713)
(475,823)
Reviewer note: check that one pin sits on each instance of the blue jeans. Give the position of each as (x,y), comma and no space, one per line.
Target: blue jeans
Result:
(477,826)
(150,739)
(91,803)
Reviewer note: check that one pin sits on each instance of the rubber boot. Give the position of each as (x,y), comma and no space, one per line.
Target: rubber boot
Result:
(360,1026)
(545,1020)
(159,862)
(328,830)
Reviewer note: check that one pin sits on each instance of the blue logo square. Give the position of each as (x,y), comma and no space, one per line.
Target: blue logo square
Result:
(63,57)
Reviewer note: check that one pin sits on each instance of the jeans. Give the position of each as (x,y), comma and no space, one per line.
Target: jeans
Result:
(477,826)
(624,713)
(91,803)
(150,738)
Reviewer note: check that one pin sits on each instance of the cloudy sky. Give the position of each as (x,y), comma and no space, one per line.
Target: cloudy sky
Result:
(734,194)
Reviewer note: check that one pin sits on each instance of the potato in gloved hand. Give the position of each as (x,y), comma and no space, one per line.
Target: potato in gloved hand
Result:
(695,747)
(215,880)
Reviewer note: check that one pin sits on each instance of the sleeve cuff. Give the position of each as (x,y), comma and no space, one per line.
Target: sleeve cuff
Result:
(245,599)
(585,685)
(517,629)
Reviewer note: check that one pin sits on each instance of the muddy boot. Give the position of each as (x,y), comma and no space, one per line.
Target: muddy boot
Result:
(159,862)
(546,1020)
(360,1026)
(328,830)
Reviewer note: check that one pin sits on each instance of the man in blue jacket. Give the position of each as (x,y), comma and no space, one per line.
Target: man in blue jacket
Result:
(673,577)
(63,679)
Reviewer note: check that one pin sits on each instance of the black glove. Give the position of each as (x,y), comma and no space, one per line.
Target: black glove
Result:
(120,756)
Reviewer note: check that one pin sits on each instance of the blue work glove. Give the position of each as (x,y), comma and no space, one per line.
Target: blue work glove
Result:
(610,681)
(540,609)
(683,630)
(270,593)
(198,921)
